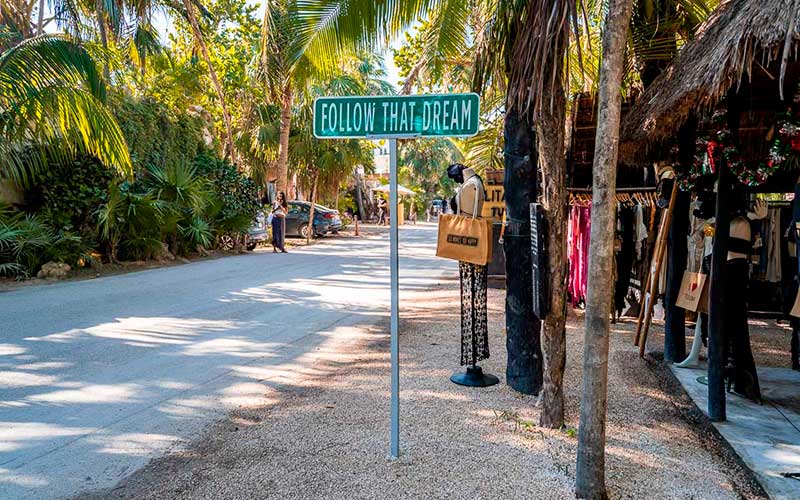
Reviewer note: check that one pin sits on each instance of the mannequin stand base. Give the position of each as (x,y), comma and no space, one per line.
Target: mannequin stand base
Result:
(474,377)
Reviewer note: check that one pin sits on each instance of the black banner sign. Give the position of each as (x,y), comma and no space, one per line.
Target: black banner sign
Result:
(539,261)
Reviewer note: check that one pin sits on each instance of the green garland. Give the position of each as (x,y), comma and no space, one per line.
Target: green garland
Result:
(718,144)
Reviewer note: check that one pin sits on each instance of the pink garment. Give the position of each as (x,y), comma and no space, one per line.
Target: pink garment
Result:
(580,224)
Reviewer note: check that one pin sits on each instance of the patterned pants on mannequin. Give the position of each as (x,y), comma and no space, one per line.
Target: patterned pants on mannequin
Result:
(474,325)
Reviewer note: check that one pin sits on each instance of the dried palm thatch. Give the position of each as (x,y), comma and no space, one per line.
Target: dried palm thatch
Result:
(738,37)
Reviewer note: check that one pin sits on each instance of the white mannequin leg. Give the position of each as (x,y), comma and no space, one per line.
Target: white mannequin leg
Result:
(694,356)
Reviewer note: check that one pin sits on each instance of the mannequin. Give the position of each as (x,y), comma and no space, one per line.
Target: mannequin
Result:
(468,202)
(740,367)
(693,359)
(795,322)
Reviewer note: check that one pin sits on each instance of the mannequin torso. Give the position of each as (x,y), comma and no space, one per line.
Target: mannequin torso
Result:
(740,228)
(467,193)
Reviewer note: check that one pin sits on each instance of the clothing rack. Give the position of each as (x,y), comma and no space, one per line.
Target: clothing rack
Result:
(619,190)
(626,198)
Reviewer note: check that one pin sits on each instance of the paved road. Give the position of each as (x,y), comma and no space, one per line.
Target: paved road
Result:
(97,377)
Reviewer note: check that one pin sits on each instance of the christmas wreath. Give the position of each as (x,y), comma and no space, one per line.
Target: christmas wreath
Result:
(718,143)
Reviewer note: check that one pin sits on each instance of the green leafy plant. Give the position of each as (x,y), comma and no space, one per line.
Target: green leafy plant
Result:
(69,195)
(156,133)
(52,95)
(181,196)
(129,223)
(197,232)
(236,196)
(27,242)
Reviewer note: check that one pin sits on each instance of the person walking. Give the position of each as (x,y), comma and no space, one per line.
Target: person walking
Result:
(279,211)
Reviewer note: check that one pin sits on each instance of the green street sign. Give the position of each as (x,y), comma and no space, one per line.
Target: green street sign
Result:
(435,115)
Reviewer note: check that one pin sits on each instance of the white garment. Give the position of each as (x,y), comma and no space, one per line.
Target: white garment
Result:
(696,240)
(471,194)
(640,230)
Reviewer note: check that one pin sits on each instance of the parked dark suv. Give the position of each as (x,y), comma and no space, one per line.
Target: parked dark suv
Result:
(326,220)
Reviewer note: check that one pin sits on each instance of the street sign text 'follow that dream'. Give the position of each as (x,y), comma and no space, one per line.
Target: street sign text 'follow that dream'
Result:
(441,115)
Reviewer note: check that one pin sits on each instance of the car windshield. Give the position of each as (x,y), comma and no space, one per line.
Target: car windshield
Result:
(298,208)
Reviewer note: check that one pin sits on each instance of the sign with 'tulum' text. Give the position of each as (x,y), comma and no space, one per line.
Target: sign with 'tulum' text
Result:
(435,115)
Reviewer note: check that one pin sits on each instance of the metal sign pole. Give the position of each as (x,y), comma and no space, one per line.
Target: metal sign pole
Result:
(406,116)
(395,310)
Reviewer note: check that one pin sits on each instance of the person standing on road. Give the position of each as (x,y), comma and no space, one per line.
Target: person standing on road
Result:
(382,212)
(279,211)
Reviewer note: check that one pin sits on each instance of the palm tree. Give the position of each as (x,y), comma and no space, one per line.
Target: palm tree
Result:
(305,39)
(51,107)
(590,473)
(17,16)
(189,6)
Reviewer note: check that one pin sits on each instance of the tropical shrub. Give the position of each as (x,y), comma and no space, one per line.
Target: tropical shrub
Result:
(182,197)
(129,223)
(68,195)
(236,194)
(27,242)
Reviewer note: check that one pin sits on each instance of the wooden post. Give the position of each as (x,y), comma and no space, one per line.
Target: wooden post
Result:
(661,245)
(675,317)
(719,256)
(677,256)
(642,306)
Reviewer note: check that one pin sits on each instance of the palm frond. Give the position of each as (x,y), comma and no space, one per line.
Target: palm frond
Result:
(51,102)
(325,28)
(44,61)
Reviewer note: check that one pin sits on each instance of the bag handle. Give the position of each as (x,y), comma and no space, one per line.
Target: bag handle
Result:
(475,205)
(477,193)
(502,228)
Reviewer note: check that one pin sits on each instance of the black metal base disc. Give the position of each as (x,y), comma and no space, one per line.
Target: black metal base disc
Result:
(474,377)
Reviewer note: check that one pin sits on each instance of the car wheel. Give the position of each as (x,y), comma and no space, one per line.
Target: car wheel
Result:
(335,232)
(251,245)
(226,242)
(304,231)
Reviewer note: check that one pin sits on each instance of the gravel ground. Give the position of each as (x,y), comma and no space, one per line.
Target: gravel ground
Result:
(326,436)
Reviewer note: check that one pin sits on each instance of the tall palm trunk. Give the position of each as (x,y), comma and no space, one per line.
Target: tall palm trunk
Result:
(590,474)
(198,37)
(524,355)
(102,26)
(283,145)
(550,131)
(359,197)
(40,21)
(311,210)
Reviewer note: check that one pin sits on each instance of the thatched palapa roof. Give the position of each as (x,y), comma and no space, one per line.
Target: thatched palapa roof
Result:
(738,38)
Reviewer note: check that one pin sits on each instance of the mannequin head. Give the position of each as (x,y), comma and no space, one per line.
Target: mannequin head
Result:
(456,172)
(738,202)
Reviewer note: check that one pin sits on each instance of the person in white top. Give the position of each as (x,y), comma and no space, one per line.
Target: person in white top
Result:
(279,211)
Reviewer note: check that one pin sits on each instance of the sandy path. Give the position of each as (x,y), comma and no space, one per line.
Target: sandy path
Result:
(327,435)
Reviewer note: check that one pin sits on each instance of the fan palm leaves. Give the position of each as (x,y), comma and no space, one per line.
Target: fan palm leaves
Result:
(52,104)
